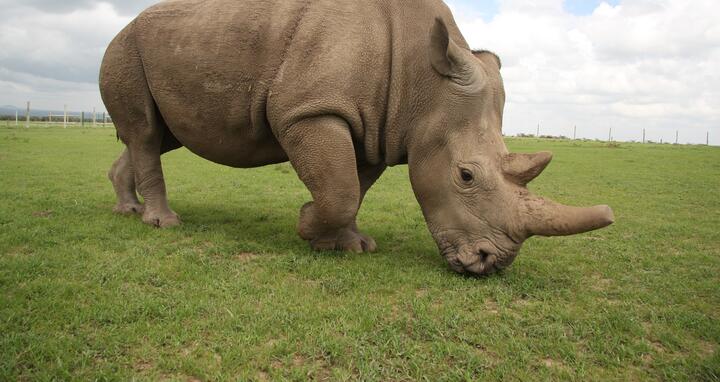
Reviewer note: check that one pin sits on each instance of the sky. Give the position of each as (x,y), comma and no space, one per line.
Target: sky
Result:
(603,67)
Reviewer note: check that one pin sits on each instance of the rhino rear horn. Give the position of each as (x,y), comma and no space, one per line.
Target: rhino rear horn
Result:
(522,168)
(451,61)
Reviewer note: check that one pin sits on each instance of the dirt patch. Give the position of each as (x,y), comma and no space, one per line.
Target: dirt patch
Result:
(23,250)
(599,283)
(706,348)
(657,346)
(646,359)
(271,343)
(299,361)
(142,365)
(554,364)
(491,306)
(245,257)
(43,214)
(175,377)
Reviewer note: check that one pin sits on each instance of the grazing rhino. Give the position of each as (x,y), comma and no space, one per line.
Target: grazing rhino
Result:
(341,89)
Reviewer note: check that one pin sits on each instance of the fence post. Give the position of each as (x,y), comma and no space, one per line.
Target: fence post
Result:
(93,118)
(17,123)
(643,141)
(676,136)
(707,139)
(82,119)
(104,118)
(538,132)
(574,132)
(49,118)
(65,118)
(610,135)
(27,116)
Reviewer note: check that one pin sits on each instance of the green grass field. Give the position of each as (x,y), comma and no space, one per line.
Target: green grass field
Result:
(234,294)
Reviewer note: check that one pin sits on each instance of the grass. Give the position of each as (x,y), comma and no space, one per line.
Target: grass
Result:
(234,294)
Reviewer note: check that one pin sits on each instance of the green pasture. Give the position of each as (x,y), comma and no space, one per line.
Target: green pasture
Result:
(234,294)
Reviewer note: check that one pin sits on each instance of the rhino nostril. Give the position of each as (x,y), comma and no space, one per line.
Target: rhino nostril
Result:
(483,255)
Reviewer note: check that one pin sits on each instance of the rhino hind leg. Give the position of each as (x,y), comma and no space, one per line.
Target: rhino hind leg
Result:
(145,148)
(141,127)
(322,153)
(123,180)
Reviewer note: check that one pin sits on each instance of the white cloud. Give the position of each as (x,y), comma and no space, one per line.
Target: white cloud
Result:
(641,64)
(54,58)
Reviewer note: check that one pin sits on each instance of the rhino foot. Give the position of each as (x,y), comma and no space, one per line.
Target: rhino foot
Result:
(344,240)
(321,238)
(129,208)
(161,220)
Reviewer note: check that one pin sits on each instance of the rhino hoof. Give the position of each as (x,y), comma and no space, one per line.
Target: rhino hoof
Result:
(347,241)
(162,220)
(129,208)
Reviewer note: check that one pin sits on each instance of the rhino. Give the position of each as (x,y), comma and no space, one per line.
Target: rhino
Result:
(341,89)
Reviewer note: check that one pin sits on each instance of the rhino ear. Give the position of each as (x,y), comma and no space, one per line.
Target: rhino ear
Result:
(522,168)
(450,60)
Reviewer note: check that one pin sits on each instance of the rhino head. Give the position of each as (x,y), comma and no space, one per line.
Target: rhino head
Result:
(471,189)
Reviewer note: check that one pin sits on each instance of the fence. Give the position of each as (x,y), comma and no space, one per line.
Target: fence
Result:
(95,119)
(643,136)
(48,118)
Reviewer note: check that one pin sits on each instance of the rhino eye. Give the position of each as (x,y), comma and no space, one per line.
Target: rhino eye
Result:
(466,175)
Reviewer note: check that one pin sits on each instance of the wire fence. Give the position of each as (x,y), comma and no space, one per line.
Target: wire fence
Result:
(662,136)
(27,118)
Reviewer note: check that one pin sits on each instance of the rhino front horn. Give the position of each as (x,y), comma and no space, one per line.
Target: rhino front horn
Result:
(547,218)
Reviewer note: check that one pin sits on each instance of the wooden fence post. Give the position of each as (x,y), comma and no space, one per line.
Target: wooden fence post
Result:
(27,116)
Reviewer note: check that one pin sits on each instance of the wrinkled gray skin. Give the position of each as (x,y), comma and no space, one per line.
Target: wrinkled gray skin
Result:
(341,89)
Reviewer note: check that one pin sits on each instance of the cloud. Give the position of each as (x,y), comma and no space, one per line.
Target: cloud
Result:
(639,64)
(126,7)
(632,65)
(51,51)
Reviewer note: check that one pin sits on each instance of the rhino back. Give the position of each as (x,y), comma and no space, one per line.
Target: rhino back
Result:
(226,71)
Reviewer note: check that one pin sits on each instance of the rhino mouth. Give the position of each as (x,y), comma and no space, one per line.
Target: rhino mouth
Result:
(479,258)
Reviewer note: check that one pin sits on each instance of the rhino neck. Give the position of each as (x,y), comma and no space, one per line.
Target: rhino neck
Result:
(412,83)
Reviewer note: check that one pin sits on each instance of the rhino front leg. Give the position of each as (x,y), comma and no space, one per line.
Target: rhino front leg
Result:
(322,152)
(367,175)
